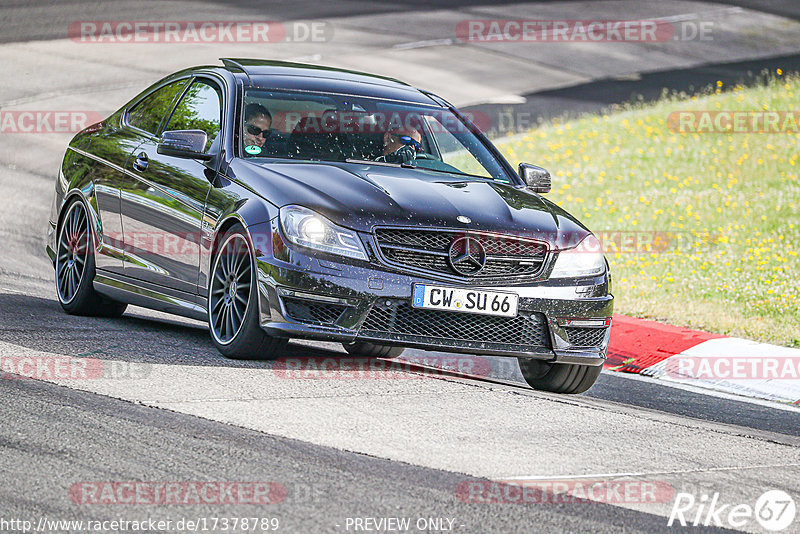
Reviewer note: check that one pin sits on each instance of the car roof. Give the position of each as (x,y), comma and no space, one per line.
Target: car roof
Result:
(301,76)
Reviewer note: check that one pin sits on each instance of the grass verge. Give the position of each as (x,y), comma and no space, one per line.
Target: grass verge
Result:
(701,229)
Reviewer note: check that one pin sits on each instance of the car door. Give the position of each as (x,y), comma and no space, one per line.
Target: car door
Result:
(109,151)
(164,197)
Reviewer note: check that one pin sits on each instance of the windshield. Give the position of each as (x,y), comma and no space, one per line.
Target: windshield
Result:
(343,128)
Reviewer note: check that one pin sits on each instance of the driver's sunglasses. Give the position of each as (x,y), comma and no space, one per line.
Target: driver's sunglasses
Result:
(255,130)
(408,140)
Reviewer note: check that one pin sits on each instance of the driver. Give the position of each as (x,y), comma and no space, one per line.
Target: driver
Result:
(401,145)
(257,124)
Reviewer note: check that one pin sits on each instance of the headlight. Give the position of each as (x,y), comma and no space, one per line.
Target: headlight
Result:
(586,259)
(309,229)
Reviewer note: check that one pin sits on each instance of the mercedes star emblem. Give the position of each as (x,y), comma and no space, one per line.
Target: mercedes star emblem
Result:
(467,256)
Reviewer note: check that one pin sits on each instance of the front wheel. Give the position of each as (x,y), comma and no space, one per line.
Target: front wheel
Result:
(233,315)
(559,377)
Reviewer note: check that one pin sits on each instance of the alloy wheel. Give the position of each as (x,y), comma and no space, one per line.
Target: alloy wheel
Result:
(73,250)
(230,289)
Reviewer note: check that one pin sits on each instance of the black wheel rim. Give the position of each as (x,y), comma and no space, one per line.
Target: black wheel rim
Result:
(230,289)
(73,251)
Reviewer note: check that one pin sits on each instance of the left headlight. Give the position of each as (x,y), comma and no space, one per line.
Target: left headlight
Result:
(308,228)
(586,259)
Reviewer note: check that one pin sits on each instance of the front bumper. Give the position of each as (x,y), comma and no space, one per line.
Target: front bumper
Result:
(335,299)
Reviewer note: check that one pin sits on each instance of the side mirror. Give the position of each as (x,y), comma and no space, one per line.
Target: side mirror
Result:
(190,144)
(536,178)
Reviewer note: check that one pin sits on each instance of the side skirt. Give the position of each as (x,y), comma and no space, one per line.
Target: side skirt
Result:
(124,289)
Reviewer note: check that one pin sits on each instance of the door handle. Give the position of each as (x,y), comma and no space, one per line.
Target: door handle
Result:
(141,162)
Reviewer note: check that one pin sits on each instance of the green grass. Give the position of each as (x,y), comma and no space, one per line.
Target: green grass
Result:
(725,207)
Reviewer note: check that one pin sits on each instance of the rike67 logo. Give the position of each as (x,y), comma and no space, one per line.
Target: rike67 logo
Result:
(774,510)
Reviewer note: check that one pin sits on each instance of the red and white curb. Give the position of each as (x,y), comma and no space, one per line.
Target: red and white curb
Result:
(704,360)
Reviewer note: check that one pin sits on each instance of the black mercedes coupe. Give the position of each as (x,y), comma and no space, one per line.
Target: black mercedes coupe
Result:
(278,200)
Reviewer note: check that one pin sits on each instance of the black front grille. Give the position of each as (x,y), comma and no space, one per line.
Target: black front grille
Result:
(427,262)
(585,337)
(400,319)
(428,250)
(309,311)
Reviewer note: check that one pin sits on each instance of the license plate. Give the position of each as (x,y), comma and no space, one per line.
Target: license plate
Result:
(465,300)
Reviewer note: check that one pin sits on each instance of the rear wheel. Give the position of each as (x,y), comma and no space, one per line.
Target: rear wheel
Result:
(75,267)
(233,315)
(559,377)
(371,350)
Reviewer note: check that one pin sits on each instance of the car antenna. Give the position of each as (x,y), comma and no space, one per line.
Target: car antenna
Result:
(232,63)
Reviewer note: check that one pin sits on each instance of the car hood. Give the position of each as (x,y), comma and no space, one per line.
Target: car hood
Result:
(361,197)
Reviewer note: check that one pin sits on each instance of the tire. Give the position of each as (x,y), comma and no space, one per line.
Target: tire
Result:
(371,350)
(233,314)
(559,377)
(75,267)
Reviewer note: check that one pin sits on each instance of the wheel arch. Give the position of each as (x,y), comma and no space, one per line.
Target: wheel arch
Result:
(254,219)
(87,197)
(252,213)
(228,222)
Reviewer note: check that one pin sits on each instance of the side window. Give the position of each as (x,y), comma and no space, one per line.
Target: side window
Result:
(199,109)
(147,114)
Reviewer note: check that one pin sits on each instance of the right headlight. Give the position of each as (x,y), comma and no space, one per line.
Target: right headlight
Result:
(308,228)
(586,259)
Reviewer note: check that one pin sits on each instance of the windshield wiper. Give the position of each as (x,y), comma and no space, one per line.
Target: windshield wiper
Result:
(458,173)
(370,162)
(409,166)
